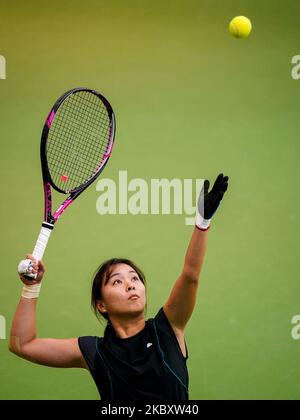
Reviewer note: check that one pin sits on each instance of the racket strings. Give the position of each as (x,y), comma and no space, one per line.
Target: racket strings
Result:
(75,168)
(78,140)
(81,152)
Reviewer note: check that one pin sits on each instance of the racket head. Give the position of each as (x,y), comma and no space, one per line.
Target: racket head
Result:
(77,140)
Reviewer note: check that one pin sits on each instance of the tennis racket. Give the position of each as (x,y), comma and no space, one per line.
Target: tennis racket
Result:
(76,144)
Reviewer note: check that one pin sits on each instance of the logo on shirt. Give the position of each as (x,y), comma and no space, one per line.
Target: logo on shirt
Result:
(149,345)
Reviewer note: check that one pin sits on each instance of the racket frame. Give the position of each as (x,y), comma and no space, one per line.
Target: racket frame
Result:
(49,218)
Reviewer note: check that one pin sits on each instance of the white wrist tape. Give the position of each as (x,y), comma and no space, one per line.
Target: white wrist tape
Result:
(201,223)
(32,291)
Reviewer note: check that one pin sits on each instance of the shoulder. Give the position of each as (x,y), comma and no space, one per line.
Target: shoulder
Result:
(88,346)
(86,341)
(171,334)
(162,318)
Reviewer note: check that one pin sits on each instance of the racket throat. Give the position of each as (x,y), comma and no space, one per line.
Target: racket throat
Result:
(49,219)
(62,208)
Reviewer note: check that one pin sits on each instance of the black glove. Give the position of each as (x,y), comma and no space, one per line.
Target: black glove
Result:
(208,202)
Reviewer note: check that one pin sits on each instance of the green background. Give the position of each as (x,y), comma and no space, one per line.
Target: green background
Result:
(190,101)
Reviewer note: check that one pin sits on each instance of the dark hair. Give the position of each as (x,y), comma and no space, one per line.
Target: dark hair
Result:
(102,276)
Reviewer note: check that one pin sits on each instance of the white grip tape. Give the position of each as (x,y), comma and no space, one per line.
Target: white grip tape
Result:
(25,265)
(41,243)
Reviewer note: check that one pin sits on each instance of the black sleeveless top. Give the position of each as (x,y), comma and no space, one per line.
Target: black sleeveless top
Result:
(148,366)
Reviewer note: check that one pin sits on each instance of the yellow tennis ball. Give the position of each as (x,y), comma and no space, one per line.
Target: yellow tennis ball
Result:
(240,27)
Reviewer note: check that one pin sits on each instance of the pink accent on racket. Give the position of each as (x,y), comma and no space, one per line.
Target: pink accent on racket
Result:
(50,119)
(61,209)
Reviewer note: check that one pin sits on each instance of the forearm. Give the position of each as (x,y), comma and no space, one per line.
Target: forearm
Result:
(195,254)
(208,202)
(23,328)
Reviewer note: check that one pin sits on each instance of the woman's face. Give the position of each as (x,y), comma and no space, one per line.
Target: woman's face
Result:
(123,282)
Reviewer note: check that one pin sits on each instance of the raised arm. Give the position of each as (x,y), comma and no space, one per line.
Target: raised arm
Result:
(181,303)
(23,337)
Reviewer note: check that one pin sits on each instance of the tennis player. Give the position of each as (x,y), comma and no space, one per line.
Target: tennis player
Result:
(136,359)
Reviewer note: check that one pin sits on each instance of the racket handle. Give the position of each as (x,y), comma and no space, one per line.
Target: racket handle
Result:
(42,241)
(39,249)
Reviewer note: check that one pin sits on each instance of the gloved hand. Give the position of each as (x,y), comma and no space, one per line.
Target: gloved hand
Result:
(208,202)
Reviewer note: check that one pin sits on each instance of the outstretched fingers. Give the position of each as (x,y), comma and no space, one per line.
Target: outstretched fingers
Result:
(217,183)
(206,186)
(221,183)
